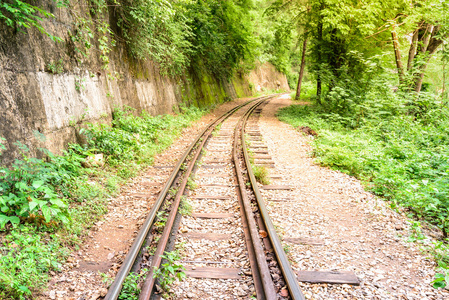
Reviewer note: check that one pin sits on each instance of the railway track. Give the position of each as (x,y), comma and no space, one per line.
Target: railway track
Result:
(229,246)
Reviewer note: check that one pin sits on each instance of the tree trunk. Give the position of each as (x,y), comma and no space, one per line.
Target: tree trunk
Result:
(428,46)
(412,50)
(320,45)
(420,78)
(397,54)
(301,71)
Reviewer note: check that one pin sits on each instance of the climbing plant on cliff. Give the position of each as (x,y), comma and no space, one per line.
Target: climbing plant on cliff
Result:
(19,15)
(158,30)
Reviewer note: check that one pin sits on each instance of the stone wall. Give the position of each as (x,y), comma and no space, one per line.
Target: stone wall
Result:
(34,99)
(266,77)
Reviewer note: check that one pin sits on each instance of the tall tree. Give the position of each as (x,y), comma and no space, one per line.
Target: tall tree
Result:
(301,70)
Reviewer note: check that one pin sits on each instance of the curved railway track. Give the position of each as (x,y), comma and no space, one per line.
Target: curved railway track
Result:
(238,219)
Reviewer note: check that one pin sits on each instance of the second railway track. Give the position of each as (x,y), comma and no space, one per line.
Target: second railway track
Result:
(229,247)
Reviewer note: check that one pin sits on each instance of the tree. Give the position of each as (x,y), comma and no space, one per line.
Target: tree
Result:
(301,71)
(423,25)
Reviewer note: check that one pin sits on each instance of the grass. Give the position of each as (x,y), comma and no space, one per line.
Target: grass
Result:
(70,198)
(261,174)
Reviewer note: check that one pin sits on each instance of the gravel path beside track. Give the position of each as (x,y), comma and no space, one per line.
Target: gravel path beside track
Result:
(358,232)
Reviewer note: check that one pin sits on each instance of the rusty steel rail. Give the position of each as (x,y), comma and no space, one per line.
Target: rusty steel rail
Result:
(130,259)
(263,282)
(147,288)
(287,272)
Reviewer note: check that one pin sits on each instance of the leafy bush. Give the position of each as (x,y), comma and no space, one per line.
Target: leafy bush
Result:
(29,191)
(16,13)
(169,271)
(131,289)
(132,138)
(157,29)
(27,257)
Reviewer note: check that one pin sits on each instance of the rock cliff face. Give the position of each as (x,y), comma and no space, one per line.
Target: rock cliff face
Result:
(49,88)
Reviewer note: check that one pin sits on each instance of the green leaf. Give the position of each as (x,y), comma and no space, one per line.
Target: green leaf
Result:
(42,203)
(58,202)
(21,185)
(24,289)
(47,213)
(33,205)
(5,219)
(439,284)
(14,220)
(37,184)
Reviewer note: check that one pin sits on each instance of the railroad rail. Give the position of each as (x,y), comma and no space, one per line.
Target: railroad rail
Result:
(174,191)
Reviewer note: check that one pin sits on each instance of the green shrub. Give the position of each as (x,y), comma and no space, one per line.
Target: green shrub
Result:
(30,190)
(27,257)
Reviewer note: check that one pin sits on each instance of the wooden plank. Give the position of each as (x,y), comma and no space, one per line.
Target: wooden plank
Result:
(214,166)
(268,164)
(210,175)
(275,176)
(276,187)
(304,241)
(261,151)
(212,215)
(217,185)
(205,262)
(208,162)
(333,277)
(140,195)
(213,273)
(262,156)
(216,150)
(211,197)
(211,236)
(263,161)
(258,146)
(280,200)
(163,167)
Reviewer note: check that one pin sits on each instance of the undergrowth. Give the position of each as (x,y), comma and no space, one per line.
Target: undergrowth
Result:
(48,204)
(261,174)
(398,145)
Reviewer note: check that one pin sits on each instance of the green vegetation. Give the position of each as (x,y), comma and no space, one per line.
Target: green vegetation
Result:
(27,256)
(378,116)
(55,67)
(169,271)
(47,204)
(19,14)
(261,173)
(185,208)
(177,35)
(404,158)
(131,289)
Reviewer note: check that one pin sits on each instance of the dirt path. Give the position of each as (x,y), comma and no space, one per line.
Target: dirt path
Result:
(354,230)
